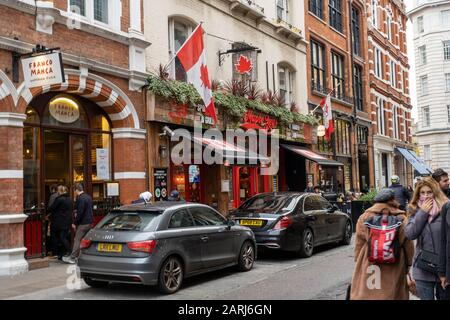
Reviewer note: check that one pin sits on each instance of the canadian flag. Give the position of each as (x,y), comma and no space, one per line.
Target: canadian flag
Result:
(192,56)
(327,116)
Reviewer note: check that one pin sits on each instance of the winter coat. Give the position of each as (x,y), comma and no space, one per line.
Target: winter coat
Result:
(393,280)
(84,206)
(444,256)
(402,195)
(61,212)
(419,229)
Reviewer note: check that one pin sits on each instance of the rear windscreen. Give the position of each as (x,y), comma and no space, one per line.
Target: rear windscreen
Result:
(269,203)
(128,221)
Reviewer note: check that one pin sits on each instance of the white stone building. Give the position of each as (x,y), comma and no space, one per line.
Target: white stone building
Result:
(431,20)
(276,27)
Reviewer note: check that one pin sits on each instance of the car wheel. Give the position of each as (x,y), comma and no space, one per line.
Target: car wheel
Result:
(348,232)
(307,245)
(95,284)
(246,257)
(170,275)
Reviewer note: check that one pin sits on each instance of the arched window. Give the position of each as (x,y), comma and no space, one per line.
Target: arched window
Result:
(286,81)
(179,31)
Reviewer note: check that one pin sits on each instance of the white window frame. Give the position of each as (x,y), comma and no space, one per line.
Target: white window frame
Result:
(114,14)
(375,13)
(380,117)
(393,75)
(420,24)
(426,117)
(395,122)
(378,63)
(389,26)
(447,82)
(172,51)
(289,75)
(446,45)
(423,54)
(445,18)
(448,113)
(424,85)
(285,9)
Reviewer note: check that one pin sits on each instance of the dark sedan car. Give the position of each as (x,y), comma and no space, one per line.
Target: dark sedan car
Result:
(162,244)
(294,221)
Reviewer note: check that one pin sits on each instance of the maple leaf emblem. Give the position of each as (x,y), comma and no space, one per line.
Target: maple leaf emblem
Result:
(204,76)
(244,66)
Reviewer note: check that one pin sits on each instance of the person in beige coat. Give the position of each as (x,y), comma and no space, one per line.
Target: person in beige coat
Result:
(381,281)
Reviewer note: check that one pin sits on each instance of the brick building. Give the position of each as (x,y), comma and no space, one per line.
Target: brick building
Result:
(338,63)
(103,56)
(389,91)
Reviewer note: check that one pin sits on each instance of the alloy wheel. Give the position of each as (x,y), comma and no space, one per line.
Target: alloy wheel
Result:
(173,274)
(248,256)
(309,242)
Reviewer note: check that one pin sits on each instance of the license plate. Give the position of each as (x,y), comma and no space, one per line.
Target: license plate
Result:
(109,247)
(251,223)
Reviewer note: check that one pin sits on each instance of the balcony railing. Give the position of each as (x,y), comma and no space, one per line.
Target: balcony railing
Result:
(317,87)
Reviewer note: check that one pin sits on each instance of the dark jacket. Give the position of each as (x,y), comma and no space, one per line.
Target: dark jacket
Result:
(444,256)
(401,195)
(61,212)
(426,235)
(84,208)
(447,193)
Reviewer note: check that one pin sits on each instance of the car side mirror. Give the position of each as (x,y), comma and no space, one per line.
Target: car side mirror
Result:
(333,209)
(230,223)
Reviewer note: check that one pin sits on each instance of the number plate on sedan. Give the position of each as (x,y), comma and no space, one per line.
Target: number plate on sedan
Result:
(109,247)
(251,223)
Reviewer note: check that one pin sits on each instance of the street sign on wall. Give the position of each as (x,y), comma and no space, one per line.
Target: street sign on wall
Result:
(43,69)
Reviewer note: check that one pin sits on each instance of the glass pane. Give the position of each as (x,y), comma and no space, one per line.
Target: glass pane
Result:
(181,219)
(78,7)
(244,183)
(100,122)
(31,167)
(206,217)
(101,156)
(101,10)
(32,116)
(56,159)
(78,145)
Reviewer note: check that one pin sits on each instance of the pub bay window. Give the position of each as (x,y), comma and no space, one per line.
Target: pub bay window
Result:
(337,74)
(318,66)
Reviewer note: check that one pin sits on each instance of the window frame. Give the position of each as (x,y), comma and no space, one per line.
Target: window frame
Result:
(423,88)
(420,24)
(113,20)
(172,49)
(284,10)
(378,63)
(316,8)
(289,78)
(447,82)
(359,89)
(335,14)
(222,218)
(318,54)
(381,117)
(176,212)
(446,45)
(356,30)
(338,74)
(375,17)
(426,122)
(422,54)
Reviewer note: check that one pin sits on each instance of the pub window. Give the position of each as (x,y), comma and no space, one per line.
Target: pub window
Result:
(315,6)
(356,31)
(179,31)
(286,83)
(335,7)
(317,65)
(337,74)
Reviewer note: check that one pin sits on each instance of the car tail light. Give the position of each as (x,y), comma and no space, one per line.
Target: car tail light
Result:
(284,223)
(85,243)
(143,246)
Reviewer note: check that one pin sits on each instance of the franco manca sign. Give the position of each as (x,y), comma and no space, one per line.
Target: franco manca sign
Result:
(43,69)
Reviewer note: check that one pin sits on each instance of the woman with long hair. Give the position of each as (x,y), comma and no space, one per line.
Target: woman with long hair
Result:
(424,225)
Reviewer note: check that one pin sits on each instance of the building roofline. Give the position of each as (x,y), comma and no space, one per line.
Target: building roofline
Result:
(426,5)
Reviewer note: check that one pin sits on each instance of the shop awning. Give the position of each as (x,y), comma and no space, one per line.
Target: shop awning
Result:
(232,152)
(415,161)
(310,155)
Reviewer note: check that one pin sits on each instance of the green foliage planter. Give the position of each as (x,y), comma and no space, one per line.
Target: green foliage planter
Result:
(235,107)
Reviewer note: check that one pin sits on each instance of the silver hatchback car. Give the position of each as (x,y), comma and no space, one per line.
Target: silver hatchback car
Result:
(162,244)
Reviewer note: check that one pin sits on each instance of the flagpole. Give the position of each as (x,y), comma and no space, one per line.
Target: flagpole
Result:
(183,45)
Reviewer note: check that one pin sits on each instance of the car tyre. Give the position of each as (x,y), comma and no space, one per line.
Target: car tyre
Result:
(348,233)
(307,245)
(95,283)
(170,275)
(247,256)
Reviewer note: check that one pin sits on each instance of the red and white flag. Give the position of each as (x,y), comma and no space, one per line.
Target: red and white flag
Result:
(192,56)
(327,116)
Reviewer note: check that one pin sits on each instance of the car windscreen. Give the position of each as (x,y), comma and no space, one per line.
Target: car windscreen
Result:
(128,221)
(273,203)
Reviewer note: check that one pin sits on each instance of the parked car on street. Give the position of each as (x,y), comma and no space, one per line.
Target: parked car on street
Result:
(163,244)
(294,221)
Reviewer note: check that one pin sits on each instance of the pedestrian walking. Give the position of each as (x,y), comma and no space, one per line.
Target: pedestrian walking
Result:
(382,266)
(83,221)
(424,225)
(444,254)
(441,177)
(401,193)
(61,220)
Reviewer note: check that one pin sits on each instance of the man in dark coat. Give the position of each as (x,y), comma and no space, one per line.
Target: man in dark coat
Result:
(441,177)
(61,219)
(444,255)
(401,193)
(83,220)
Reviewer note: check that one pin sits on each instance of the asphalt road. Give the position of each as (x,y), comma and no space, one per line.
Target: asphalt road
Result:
(275,276)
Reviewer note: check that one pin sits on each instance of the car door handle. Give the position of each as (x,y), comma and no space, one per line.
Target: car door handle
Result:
(205,238)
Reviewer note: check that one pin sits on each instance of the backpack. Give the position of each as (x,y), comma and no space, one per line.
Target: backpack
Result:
(384,245)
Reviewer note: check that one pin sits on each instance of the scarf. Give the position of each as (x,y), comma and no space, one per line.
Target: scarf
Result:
(434,210)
